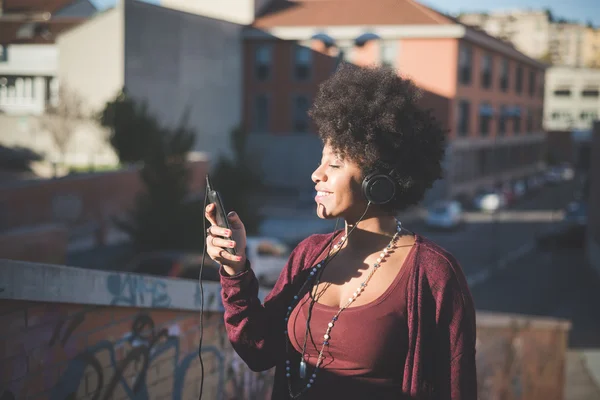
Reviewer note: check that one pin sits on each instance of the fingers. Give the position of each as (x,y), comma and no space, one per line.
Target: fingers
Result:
(234,220)
(222,243)
(209,212)
(219,231)
(215,247)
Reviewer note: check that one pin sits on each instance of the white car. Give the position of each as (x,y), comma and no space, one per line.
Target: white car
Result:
(489,200)
(267,257)
(445,214)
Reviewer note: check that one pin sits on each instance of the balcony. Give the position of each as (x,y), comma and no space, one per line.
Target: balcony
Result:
(25,95)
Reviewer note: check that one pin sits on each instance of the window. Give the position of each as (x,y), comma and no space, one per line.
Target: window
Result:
(263,55)
(504,75)
(588,115)
(261,113)
(302,62)
(388,52)
(590,92)
(502,120)
(529,126)
(486,71)
(486,113)
(562,92)
(465,57)
(300,113)
(346,51)
(3,53)
(516,117)
(519,80)
(464,114)
(532,77)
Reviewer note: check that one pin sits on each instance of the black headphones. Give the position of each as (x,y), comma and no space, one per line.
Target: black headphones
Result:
(380,187)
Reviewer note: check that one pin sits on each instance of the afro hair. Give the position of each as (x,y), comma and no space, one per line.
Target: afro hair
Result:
(371,115)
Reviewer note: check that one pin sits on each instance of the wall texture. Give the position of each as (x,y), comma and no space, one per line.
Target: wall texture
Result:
(84,205)
(193,63)
(70,333)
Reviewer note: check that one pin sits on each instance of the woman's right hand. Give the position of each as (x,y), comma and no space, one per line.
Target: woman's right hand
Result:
(236,238)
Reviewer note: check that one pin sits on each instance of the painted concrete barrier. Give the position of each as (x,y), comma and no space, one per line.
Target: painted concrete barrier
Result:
(70,333)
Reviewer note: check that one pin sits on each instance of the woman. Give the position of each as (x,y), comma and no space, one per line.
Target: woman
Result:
(373,310)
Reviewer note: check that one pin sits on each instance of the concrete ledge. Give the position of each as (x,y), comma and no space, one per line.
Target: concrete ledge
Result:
(488,319)
(61,284)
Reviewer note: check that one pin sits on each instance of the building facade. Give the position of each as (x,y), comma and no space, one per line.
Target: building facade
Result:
(591,47)
(529,31)
(537,34)
(487,93)
(572,99)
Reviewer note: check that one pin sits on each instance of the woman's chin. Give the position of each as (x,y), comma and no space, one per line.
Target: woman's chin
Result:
(322,212)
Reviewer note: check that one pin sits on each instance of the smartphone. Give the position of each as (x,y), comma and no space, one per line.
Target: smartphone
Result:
(221,214)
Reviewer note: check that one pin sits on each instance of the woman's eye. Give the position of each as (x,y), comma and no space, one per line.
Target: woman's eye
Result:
(334,166)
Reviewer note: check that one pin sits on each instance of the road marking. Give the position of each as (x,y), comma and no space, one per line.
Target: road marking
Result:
(483,275)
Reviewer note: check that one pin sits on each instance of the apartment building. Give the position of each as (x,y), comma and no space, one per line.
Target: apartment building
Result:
(591,47)
(537,34)
(572,98)
(28,52)
(529,31)
(489,94)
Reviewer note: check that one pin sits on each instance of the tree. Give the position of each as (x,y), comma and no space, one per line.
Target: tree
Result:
(62,119)
(546,58)
(235,180)
(132,128)
(163,218)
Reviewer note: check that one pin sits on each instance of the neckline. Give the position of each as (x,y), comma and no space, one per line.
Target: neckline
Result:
(386,292)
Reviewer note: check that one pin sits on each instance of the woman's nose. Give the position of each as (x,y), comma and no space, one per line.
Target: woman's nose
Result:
(318,175)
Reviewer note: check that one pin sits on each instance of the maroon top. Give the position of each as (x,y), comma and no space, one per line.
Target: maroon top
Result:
(416,341)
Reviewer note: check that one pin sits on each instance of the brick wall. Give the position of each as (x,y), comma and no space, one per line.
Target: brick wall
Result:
(42,243)
(68,351)
(83,204)
(77,199)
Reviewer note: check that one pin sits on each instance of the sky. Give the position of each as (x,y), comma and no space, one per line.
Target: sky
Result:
(578,10)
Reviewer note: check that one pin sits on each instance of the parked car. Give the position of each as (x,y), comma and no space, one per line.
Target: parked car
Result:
(576,212)
(175,264)
(489,200)
(519,188)
(445,215)
(267,256)
(560,173)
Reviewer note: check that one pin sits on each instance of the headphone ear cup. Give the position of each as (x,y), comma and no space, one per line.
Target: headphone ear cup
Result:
(379,188)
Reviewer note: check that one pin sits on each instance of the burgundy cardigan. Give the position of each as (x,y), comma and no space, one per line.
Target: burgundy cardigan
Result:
(440,362)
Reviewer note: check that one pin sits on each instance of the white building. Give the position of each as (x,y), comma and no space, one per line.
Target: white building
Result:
(572,98)
(529,31)
(171,59)
(29,69)
(535,33)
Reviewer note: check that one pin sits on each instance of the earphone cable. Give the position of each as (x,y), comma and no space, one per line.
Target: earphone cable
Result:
(202,296)
(327,260)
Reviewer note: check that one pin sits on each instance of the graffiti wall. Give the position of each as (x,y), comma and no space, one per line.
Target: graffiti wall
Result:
(64,352)
(69,333)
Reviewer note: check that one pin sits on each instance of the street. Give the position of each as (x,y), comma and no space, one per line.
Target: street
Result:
(507,272)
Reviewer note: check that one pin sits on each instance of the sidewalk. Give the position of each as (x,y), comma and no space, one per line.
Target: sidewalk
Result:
(582,375)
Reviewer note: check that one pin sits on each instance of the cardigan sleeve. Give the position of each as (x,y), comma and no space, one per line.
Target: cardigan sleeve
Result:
(455,376)
(255,330)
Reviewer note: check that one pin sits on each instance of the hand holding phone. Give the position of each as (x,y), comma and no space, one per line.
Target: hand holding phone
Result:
(221,216)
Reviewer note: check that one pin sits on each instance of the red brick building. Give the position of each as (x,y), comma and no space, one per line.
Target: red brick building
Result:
(488,94)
